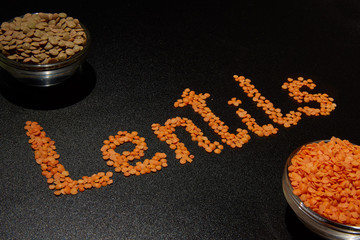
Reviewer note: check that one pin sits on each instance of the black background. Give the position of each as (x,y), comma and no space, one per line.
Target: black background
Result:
(143,55)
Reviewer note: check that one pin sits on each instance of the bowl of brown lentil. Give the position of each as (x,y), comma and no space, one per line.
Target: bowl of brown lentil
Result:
(43,49)
(320,183)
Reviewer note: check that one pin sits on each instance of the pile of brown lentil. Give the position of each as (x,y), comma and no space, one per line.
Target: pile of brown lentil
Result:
(42,38)
(55,173)
(326,177)
(198,103)
(121,162)
(293,86)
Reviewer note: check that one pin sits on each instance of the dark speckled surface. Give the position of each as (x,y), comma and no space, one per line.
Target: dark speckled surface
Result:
(143,56)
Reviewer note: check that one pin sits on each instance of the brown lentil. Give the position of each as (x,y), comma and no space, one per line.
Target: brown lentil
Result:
(42,38)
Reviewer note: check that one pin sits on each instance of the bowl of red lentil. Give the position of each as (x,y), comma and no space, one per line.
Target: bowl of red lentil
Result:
(43,49)
(321,183)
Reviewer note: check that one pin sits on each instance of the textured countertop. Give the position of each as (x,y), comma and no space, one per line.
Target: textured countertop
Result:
(142,57)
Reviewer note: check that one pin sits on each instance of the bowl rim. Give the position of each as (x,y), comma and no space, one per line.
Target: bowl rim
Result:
(21,65)
(306,210)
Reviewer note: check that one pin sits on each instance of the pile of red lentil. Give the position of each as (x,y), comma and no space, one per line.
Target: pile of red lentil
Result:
(326,177)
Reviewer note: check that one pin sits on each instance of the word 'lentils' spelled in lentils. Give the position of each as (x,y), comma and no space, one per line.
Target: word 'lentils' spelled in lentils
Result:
(59,180)
(55,173)
(326,177)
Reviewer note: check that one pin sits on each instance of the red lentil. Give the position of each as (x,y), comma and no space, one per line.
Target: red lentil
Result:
(261,131)
(294,87)
(326,177)
(57,177)
(121,162)
(166,134)
(327,104)
(59,180)
(198,103)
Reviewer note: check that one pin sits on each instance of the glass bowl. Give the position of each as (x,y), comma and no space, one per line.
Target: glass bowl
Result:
(45,75)
(318,224)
